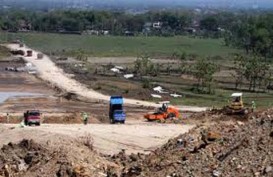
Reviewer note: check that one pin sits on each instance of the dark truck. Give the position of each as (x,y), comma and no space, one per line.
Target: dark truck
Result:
(32,117)
(116,112)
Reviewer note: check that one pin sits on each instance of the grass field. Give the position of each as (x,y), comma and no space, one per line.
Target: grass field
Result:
(113,46)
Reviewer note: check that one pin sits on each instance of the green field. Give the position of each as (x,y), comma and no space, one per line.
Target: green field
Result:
(113,46)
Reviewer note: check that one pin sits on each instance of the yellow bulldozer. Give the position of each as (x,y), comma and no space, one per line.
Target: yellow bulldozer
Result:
(236,105)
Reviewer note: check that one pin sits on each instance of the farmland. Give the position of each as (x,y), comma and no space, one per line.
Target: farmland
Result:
(117,46)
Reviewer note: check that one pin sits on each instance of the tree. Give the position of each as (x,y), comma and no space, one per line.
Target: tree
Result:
(209,23)
(254,34)
(239,64)
(144,66)
(254,70)
(204,70)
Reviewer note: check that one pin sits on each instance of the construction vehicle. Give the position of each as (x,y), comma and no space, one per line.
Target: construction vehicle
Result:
(116,112)
(32,117)
(162,113)
(29,53)
(236,105)
(17,52)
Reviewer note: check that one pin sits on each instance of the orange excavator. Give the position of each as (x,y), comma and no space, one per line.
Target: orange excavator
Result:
(162,113)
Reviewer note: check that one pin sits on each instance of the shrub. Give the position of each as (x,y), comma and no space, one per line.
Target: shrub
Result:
(146,84)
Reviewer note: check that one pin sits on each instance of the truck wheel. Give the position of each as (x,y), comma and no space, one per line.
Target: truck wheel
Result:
(38,124)
(122,122)
(29,123)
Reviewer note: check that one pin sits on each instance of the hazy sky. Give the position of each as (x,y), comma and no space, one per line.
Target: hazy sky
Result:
(167,3)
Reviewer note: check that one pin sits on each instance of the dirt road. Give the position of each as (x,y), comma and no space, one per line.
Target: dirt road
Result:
(49,72)
(134,136)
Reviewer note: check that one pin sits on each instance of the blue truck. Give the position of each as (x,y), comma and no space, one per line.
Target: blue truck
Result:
(116,112)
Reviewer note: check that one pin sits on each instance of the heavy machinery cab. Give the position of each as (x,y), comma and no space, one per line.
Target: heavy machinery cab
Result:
(116,112)
(237,101)
(32,117)
(164,107)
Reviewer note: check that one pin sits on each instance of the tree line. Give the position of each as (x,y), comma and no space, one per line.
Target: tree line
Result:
(172,22)
(253,33)
(75,20)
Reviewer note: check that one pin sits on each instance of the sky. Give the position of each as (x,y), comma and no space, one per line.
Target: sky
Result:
(242,3)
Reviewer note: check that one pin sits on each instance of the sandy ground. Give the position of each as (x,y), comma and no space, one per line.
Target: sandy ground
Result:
(134,136)
(49,72)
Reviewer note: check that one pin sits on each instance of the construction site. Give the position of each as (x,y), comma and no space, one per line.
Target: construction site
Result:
(53,124)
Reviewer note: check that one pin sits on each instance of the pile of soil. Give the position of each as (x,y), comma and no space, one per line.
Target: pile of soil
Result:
(224,148)
(30,159)
(216,116)
(73,118)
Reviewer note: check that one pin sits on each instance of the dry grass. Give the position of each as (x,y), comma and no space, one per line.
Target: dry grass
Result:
(87,140)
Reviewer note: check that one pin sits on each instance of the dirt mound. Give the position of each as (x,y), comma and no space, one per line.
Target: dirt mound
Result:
(221,149)
(30,159)
(216,115)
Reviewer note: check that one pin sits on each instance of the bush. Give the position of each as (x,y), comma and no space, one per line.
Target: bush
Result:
(183,56)
(146,84)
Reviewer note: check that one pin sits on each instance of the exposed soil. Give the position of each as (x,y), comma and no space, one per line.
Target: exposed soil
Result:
(222,148)
(135,136)
(214,148)
(20,81)
(53,105)
(31,159)
(50,73)
(110,83)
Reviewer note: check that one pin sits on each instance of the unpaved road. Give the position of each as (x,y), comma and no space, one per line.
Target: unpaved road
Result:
(49,72)
(134,136)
